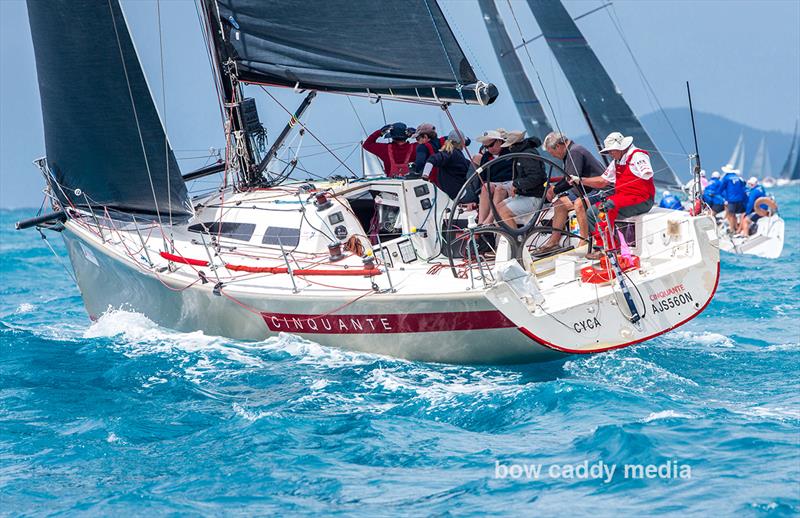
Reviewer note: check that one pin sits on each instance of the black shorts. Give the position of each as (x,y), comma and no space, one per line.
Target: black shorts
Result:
(735,207)
(753,217)
(717,207)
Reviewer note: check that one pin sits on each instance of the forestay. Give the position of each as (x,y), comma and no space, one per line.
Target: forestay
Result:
(102,132)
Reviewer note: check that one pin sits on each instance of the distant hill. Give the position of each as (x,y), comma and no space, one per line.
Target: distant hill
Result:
(716,137)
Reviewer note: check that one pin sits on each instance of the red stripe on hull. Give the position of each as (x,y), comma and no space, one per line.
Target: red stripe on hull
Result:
(386,323)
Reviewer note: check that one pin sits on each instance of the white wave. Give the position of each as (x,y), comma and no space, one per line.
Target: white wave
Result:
(141,336)
(249,415)
(114,439)
(779,413)
(784,347)
(631,372)
(705,338)
(25,307)
(665,414)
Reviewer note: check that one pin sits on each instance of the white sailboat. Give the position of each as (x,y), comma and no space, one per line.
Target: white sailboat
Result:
(371,264)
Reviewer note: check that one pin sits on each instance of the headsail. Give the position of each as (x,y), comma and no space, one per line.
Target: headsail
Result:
(528,105)
(738,151)
(102,131)
(607,111)
(786,170)
(400,49)
(761,168)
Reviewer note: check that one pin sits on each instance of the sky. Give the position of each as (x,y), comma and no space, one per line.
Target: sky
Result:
(742,59)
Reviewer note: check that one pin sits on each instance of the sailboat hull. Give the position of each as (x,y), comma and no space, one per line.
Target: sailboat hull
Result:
(482,326)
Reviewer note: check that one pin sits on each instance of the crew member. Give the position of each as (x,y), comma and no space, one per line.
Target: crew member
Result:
(732,188)
(428,143)
(500,175)
(524,198)
(453,166)
(578,161)
(670,201)
(711,195)
(395,155)
(632,176)
(756,191)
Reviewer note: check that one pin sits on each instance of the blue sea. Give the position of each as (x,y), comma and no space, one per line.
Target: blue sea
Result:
(122,416)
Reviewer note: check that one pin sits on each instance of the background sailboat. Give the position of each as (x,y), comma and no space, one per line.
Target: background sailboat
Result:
(761,167)
(785,175)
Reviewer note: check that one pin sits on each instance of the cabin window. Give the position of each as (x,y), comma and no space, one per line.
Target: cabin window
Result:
(286,236)
(238,231)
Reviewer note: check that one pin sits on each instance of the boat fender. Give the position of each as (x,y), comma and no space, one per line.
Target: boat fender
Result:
(771,209)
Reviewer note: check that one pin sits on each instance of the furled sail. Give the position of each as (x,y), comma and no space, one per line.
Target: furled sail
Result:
(528,105)
(399,49)
(103,135)
(786,170)
(604,105)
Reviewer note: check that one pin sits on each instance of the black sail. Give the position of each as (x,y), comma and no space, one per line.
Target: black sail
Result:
(786,170)
(102,131)
(399,49)
(528,105)
(604,105)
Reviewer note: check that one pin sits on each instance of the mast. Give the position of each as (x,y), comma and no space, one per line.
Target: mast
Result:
(240,113)
(528,105)
(594,89)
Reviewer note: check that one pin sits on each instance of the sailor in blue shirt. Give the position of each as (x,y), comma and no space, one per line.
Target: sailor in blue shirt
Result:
(670,201)
(711,195)
(733,190)
(755,191)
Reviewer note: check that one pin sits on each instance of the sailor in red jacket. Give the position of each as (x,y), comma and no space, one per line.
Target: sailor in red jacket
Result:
(396,155)
(632,177)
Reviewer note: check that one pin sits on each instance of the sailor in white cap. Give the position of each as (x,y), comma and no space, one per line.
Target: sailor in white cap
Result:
(754,191)
(632,176)
(492,144)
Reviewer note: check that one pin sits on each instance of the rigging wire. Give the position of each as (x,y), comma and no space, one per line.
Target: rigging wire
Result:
(612,14)
(164,111)
(135,114)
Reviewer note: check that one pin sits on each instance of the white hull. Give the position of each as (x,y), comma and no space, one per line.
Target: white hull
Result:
(429,317)
(766,242)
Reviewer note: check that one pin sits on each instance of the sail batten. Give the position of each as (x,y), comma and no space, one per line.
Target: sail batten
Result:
(605,107)
(402,49)
(103,134)
(528,105)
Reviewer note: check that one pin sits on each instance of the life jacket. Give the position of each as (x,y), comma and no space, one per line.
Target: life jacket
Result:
(399,168)
(433,176)
(628,184)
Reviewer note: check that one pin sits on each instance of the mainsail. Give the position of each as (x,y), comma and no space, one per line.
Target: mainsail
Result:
(761,168)
(102,132)
(528,105)
(738,151)
(597,95)
(786,170)
(400,49)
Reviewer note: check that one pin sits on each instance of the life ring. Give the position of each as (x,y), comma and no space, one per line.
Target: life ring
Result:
(758,206)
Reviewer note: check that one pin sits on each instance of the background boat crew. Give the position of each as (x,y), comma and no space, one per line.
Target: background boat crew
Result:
(578,161)
(500,175)
(632,177)
(528,184)
(732,189)
(395,155)
(428,143)
(711,194)
(670,201)
(453,166)
(755,191)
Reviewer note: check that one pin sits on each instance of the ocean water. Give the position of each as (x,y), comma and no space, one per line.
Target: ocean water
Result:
(123,416)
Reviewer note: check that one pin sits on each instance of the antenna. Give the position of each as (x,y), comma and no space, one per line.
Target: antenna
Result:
(698,186)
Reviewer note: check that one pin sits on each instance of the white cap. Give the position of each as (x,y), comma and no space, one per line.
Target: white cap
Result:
(702,172)
(715,174)
(665,193)
(752,182)
(728,168)
(490,135)
(514,137)
(616,141)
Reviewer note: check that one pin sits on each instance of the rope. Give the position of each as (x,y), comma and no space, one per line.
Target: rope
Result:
(135,114)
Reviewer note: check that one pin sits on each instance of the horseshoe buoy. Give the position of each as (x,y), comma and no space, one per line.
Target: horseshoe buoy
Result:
(758,206)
